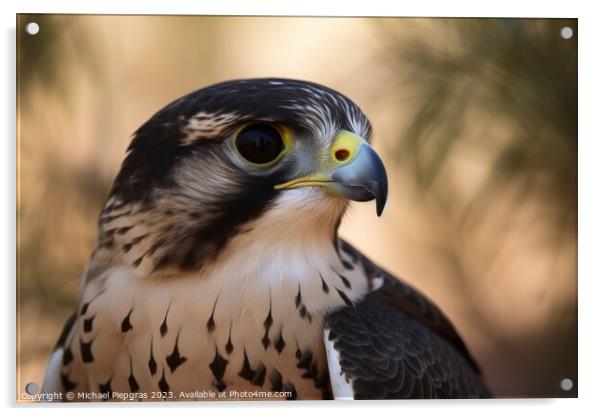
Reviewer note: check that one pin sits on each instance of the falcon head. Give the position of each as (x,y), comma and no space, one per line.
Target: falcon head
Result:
(276,156)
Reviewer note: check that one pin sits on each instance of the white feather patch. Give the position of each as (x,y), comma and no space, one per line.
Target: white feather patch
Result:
(341,389)
(52,378)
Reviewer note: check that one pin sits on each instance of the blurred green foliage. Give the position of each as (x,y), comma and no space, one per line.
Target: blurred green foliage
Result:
(518,73)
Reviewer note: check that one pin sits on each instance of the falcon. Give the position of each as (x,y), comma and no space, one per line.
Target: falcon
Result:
(218,271)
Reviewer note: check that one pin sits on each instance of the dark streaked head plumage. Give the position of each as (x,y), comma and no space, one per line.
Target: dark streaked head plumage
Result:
(183,164)
(210,114)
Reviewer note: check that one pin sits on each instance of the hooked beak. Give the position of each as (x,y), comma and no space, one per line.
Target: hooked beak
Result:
(355,171)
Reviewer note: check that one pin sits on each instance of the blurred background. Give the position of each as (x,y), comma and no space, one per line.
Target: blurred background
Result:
(476,120)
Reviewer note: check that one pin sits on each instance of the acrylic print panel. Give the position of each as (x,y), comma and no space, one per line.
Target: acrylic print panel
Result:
(271,208)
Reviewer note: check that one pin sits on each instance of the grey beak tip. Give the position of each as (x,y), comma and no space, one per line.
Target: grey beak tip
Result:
(364,179)
(379,209)
(381,199)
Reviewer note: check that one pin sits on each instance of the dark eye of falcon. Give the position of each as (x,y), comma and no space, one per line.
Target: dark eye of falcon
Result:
(259,143)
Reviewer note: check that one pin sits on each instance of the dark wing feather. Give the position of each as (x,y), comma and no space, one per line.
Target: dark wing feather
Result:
(396,344)
(67,327)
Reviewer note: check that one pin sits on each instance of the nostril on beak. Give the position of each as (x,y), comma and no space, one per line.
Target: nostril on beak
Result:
(342,155)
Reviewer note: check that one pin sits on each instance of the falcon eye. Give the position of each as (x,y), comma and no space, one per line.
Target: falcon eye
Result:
(259,143)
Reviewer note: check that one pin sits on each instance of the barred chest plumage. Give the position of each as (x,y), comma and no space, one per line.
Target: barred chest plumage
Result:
(249,327)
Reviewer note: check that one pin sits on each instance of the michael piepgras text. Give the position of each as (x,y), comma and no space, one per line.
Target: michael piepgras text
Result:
(128,396)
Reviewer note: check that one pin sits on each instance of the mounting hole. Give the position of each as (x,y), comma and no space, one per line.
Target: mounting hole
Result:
(566,33)
(32,28)
(31,388)
(566,384)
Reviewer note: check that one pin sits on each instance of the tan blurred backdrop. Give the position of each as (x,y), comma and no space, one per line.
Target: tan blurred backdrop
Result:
(475,120)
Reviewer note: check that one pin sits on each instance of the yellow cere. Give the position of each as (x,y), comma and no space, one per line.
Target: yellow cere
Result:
(344,148)
(342,151)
